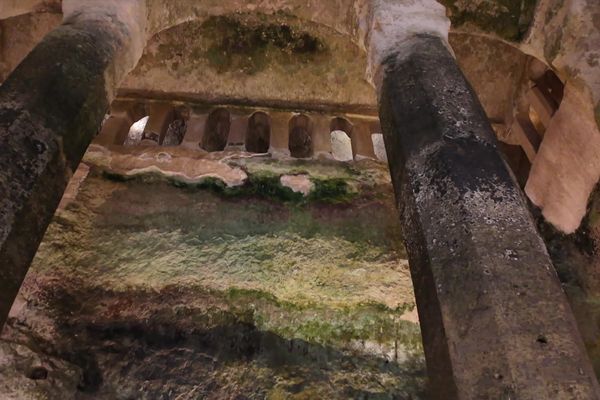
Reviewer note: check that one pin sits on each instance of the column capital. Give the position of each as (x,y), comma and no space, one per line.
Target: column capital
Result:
(127,20)
(391,25)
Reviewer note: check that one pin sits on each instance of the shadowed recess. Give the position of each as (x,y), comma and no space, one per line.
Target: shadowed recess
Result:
(217,130)
(259,133)
(301,137)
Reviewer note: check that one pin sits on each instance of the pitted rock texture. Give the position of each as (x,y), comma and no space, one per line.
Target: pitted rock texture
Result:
(508,19)
(44,137)
(474,250)
(152,287)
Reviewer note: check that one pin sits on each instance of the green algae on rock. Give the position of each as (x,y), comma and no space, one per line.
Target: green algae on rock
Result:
(247,46)
(509,19)
(263,295)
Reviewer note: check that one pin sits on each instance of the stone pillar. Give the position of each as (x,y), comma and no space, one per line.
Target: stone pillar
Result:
(362,143)
(161,115)
(495,321)
(195,131)
(526,135)
(51,107)
(280,132)
(321,136)
(115,129)
(237,132)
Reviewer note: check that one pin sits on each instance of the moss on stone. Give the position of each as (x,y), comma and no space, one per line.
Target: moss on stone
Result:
(316,323)
(260,185)
(247,46)
(244,296)
(269,185)
(265,183)
(509,19)
(362,322)
(325,169)
(334,190)
(263,288)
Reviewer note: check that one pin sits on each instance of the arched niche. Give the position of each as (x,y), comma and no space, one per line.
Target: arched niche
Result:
(341,124)
(258,135)
(216,132)
(177,128)
(300,137)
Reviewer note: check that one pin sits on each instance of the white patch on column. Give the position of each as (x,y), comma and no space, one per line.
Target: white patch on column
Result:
(390,25)
(341,146)
(379,146)
(136,132)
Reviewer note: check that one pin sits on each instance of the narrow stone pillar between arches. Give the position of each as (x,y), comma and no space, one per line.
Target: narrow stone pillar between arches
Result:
(161,115)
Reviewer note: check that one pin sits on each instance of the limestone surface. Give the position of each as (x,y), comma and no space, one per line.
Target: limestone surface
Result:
(151,286)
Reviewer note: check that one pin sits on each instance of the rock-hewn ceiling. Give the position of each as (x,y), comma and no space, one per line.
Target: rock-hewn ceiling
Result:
(254,57)
(277,59)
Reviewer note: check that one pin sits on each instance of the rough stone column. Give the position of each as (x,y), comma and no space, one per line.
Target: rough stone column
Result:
(51,107)
(362,144)
(195,130)
(494,319)
(161,115)
(321,136)
(237,131)
(280,133)
(115,129)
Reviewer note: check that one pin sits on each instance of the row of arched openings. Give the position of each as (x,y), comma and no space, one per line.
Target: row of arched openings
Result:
(218,126)
(257,135)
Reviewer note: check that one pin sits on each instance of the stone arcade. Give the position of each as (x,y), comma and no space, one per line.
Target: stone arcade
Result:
(210,95)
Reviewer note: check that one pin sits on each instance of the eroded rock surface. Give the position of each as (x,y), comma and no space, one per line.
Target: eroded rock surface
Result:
(151,286)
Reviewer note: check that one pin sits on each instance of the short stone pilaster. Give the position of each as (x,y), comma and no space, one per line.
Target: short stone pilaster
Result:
(194,133)
(237,132)
(115,129)
(321,137)
(362,143)
(279,143)
(161,115)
